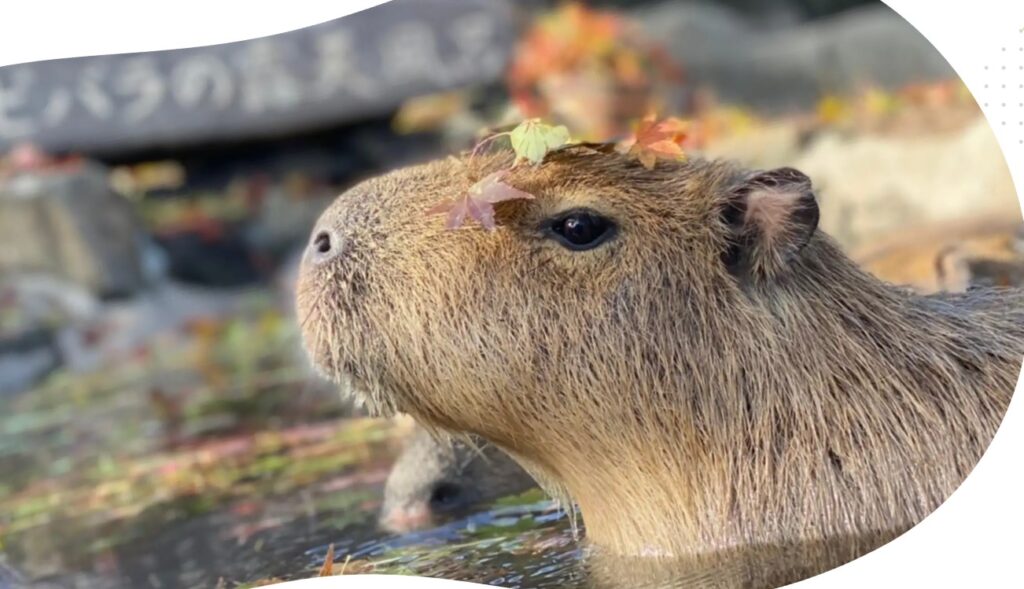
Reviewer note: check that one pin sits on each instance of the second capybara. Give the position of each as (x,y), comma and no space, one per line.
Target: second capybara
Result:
(950,256)
(435,478)
(679,351)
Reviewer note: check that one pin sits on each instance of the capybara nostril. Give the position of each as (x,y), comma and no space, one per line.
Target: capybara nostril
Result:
(324,246)
(322,242)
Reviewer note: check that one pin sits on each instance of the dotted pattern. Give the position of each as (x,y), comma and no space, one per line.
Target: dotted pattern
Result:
(1005,88)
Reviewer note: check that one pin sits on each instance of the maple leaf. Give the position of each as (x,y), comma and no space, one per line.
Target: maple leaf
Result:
(576,42)
(327,569)
(533,139)
(479,201)
(653,139)
(566,39)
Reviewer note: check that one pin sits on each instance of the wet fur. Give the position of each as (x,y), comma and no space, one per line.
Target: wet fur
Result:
(692,409)
(481,473)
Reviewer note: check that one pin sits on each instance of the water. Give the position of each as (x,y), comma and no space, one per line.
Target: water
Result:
(521,542)
(211,458)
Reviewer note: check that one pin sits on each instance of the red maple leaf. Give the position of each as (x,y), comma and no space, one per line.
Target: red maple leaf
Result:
(478,202)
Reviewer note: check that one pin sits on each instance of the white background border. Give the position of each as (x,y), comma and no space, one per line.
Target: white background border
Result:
(975,540)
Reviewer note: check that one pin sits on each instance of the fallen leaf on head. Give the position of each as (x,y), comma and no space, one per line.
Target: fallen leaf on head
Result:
(478,202)
(532,140)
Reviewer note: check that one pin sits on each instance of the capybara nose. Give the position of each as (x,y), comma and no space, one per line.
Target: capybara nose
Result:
(326,245)
(406,519)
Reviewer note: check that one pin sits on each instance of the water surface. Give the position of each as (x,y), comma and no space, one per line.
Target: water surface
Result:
(212,458)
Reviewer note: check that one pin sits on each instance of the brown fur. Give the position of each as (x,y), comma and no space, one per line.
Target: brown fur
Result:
(794,414)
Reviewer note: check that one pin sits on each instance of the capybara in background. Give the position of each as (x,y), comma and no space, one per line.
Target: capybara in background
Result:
(435,479)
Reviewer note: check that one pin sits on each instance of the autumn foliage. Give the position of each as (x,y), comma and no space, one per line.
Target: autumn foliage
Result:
(478,202)
(655,139)
(590,68)
(531,141)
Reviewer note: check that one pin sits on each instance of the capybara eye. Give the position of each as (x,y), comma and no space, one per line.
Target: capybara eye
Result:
(581,229)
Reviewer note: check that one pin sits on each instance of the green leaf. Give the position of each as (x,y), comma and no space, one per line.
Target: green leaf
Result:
(532,139)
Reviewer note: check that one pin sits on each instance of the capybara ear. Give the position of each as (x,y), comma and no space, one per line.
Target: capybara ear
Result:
(771,216)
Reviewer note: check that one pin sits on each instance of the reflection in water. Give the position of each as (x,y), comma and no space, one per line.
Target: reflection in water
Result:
(516,544)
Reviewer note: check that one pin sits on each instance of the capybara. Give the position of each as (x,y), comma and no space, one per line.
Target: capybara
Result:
(950,256)
(436,478)
(679,351)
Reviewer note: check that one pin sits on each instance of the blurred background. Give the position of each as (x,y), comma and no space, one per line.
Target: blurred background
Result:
(159,424)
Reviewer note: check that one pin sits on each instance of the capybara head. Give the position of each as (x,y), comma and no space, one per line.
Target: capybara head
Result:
(679,350)
(580,297)
(436,478)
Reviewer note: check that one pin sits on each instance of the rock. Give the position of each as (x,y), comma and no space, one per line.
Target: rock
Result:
(25,359)
(62,325)
(870,186)
(861,46)
(70,223)
(119,328)
(356,67)
(10,578)
(45,299)
(34,310)
(783,69)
